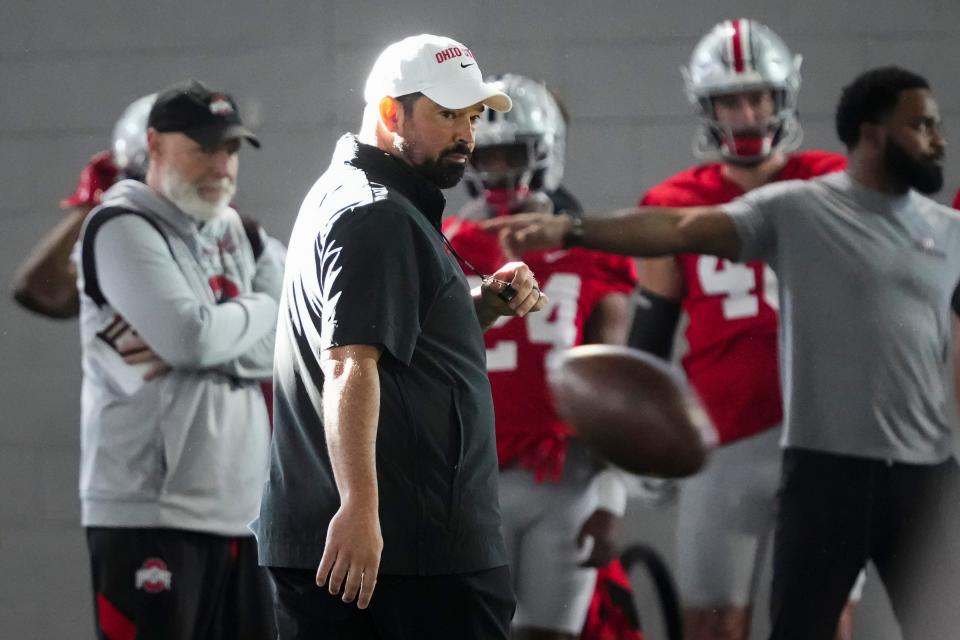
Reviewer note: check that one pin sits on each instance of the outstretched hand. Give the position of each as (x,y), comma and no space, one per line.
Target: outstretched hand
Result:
(524,232)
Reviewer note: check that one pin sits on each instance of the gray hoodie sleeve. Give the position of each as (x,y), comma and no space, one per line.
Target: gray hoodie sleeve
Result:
(257,363)
(144,284)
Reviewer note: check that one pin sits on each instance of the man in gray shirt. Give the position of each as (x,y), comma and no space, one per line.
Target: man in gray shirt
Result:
(867,266)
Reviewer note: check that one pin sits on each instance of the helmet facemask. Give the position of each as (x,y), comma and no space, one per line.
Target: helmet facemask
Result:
(749,145)
(518,157)
(506,173)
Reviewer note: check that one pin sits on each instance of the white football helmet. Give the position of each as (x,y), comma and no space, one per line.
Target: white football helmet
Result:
(743,55)
(130,138)
(521,151)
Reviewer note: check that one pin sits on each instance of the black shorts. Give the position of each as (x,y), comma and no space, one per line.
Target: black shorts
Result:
(473,606)
(177,585)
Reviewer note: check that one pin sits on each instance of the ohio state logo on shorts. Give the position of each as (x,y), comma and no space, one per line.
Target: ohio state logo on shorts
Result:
(153,576)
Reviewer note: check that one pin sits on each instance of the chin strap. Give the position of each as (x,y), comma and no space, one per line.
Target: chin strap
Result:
(749,148)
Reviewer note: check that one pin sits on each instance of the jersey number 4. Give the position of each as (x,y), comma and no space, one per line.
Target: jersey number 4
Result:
(555,324)
(738,284)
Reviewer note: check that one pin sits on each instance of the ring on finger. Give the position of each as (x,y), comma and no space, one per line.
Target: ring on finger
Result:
(507,294)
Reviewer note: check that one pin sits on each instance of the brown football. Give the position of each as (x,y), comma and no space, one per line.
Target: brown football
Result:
(631,409)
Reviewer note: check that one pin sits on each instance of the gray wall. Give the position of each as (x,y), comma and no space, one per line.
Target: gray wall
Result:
(67,69)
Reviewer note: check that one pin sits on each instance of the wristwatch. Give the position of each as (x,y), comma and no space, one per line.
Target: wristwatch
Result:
(574,237)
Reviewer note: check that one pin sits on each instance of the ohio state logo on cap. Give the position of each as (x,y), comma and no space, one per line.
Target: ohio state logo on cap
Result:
(220,106)
(153,576)
(452,52)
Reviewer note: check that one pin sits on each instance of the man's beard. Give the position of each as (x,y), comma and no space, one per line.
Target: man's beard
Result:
(186,195)
(922,174)
(438,172)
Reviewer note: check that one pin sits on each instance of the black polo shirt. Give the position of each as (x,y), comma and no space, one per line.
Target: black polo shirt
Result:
(366,265)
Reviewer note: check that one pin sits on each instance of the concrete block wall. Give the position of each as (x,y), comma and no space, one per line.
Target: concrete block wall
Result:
(68,69)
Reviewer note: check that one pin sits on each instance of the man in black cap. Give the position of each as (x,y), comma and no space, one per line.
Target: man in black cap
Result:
(177,317)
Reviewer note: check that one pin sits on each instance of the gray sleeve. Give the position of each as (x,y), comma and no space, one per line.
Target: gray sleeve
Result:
(269,276)
(755,218)
(141,280)
(257,363)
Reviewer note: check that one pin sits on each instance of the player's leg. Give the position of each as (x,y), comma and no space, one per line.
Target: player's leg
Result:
(821,542)
(147,582)
(725,515)
(553,590)
(917,552)
(519,508)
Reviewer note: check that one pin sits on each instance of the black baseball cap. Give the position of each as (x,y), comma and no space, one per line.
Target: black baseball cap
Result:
(192,108)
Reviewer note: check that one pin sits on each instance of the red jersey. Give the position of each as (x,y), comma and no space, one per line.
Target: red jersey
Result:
(732,361)
(529,431)
(956,201)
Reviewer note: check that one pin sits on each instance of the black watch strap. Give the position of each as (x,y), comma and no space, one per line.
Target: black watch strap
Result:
(574,237)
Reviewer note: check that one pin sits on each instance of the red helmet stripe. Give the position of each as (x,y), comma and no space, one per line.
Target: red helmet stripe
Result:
(738,64)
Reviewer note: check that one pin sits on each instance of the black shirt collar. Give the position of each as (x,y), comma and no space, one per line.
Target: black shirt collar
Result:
(392,173)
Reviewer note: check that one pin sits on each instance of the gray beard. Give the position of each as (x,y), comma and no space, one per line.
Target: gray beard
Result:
(186,197)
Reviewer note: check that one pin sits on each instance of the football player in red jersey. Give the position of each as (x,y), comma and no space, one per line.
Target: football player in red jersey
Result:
(46,281)
(552,497)
(743,81)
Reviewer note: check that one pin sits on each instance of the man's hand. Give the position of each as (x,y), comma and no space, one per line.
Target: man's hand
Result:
(135,351)
(351,556)
(524,232)
(511,291)
(602,528)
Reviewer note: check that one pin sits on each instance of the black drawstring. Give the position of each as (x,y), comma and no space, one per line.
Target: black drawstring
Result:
(468,264)
(506,293)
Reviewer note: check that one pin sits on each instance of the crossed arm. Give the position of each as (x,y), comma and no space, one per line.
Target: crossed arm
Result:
(145,285)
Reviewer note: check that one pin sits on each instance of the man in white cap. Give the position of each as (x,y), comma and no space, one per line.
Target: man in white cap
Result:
(384,465)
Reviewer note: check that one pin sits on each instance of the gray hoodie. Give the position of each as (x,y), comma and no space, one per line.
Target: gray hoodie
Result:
(187,450)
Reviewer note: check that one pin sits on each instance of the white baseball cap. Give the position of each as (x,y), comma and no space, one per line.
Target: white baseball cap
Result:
(441,68)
